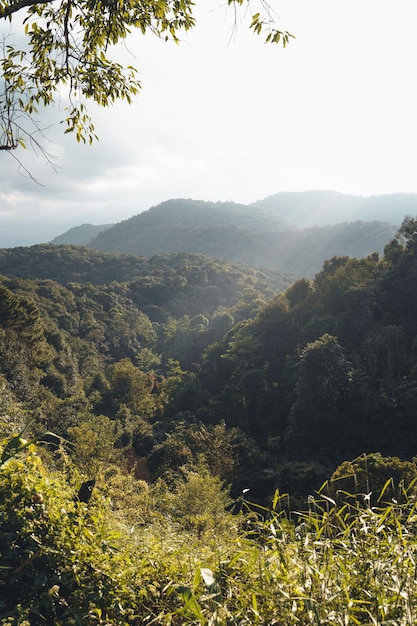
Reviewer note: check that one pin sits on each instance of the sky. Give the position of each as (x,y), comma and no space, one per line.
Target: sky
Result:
(225,117)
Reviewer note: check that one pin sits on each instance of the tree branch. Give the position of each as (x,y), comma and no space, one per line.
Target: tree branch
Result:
(20,4)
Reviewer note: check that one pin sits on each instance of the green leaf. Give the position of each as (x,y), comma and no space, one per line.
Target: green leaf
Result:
(191,604)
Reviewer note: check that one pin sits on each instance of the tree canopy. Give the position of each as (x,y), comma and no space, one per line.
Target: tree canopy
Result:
(165,362)
(68,51)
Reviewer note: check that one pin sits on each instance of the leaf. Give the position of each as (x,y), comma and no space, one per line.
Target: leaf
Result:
(212,584)
(208,576)
(191,604)
(13,446)
(255,20)
(17,443)
(389,482)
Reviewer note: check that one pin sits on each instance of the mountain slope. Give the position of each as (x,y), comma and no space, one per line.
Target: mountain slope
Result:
(294,232)
(180,284)
(186,225)
(80,235)
(240,233)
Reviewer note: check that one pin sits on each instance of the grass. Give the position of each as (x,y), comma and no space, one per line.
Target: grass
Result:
(176,556)
(331,566)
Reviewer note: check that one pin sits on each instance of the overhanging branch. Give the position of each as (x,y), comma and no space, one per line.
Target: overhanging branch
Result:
(21,4)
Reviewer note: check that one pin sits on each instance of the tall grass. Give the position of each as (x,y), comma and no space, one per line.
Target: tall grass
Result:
(331,565)
(179,558)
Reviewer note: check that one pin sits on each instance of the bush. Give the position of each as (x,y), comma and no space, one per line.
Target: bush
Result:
(372,475)
(59,563)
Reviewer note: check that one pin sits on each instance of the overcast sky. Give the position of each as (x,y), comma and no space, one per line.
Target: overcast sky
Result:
(225,117)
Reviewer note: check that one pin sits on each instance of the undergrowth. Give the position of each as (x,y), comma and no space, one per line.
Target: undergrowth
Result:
(179,562)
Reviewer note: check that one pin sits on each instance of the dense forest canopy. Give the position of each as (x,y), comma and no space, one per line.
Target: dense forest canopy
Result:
(162,397)
(297,375)
(67,263)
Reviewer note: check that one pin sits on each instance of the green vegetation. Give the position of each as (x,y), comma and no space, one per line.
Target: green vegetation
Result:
(73,48)
(185,560)
(157,279)
(253,456)
(261,237)
(80,235)
(163,351)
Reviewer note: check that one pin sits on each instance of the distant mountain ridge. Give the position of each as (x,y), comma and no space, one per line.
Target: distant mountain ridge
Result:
(322,208)
(294,232)
(80,235)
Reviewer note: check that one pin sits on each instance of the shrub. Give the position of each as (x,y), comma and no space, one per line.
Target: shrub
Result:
(60,560)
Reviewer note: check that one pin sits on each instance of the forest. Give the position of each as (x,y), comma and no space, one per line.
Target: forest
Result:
(192,441)
(280,233)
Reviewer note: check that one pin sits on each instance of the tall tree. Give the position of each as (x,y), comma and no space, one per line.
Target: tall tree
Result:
(316,428)
(22,343)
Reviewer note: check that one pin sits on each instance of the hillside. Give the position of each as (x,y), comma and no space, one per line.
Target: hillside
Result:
(216,444)
(260,238)
(67,314)
(185,225)
(164,285)
(208,447)
(80,235)
(323,373)
(180,351)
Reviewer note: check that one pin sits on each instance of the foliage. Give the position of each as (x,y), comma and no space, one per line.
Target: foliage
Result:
(68,49)
(13,416)
(227,453)
(198,503)
(241,233)
(14,446)
(96,383)
(64,562)
(317,417)
(322,373)
(23,348)
(265,393)
(93,442)
(190,562)
(374,477)
(160,286)
(130,387)
(58,563)
(331,565)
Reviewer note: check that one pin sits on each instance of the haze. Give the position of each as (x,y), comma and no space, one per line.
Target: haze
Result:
(225,117)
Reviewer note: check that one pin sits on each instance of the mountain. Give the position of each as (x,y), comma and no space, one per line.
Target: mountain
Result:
(294,232)
(274,405)
(259,237)
(179,213)
(185,225)
(80,235)
(321,208)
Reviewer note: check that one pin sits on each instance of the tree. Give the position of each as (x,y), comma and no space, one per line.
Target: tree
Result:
(67,49)
(23,348)
(129,387)
(317,420)
(400,279)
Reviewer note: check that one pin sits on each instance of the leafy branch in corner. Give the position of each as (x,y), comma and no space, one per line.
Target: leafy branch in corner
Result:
(66,54)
